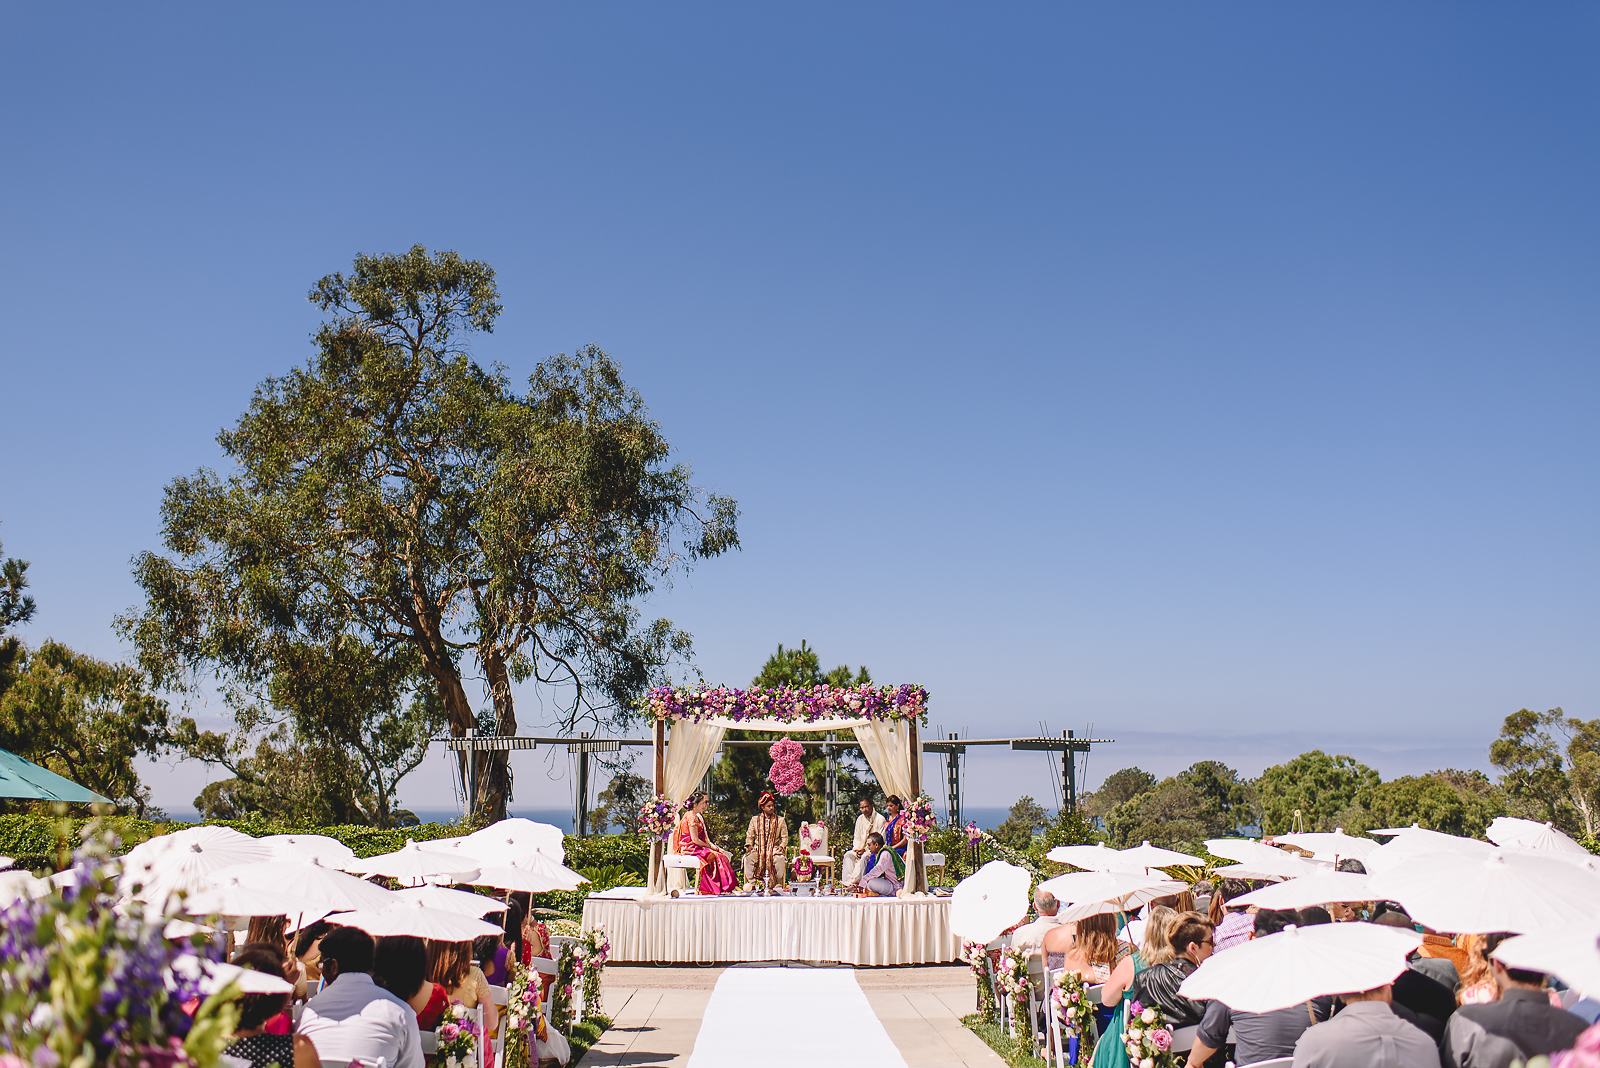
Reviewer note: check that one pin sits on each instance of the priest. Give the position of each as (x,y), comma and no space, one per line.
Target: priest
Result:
(869,822)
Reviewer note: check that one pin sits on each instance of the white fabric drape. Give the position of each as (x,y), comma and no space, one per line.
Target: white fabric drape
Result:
(691,747)
(887,746)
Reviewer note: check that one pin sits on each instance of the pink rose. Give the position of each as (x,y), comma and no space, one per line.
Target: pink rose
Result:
(1161,1039)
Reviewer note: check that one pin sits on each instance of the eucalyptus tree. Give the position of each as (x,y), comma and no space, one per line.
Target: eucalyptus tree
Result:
(395,490)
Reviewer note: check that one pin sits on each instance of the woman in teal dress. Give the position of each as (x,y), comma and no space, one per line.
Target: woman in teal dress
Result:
(1154,947)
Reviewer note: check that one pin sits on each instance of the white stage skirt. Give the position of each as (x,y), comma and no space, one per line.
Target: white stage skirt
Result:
(846,930)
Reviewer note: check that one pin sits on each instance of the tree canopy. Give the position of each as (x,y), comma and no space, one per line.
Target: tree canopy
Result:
(1311,791)
(1550,768)
(395,492)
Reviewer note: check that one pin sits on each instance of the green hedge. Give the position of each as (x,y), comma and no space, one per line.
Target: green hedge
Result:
(34,842)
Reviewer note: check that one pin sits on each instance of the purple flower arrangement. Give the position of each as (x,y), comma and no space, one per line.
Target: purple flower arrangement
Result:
(788,774)
(78,978)
(920,820)
(816,704)
(657,817)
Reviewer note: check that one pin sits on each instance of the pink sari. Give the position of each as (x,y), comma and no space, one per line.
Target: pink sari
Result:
(716,874)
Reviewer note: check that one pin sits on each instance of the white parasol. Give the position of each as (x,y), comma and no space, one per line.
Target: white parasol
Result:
(1500,891)
(462,902)
(1097,857)
(225,896)
(540,875)
(1330,845)
(416,920)
(299,888)
(208,835)
(1088,893)
(16,885)
(1300,963)
(510,840)
(304,847)
(215,976)
(1257,860)
(1149,856)
(182,869)
(1308,890)
(1573,956)
(1410,843)
(988,901)
(5,861)
(1526,834)
(413,864)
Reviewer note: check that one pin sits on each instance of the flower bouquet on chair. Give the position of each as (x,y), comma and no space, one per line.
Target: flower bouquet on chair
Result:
(1147,1038)
(458,1037)
(1075,1011)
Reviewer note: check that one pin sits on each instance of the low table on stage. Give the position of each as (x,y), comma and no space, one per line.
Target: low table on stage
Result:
(846,930)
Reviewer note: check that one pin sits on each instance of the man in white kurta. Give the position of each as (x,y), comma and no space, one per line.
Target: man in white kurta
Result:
(855,858)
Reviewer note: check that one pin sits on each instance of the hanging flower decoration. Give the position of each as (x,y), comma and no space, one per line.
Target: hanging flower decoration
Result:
(1075,1009)
(657,817)
(1147,1037)
(784,704)
(525,1020)
(1011,973)
(788,774)
(458,1037)
(977,958)
(974,833)
(920,820)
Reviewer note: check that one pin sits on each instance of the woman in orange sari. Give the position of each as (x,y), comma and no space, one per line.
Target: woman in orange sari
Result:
(690,840)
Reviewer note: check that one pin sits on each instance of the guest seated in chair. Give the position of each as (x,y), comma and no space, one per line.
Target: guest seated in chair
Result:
(856,857)
(766,845)
(886,872)
(691,840)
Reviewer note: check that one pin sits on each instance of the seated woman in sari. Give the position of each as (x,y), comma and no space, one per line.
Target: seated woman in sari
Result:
(690,840)
(894,831)
(885,873)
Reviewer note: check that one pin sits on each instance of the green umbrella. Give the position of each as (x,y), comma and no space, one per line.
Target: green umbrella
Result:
(24,778)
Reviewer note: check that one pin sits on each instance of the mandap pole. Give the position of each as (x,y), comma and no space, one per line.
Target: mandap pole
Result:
(919,874)
(656,844)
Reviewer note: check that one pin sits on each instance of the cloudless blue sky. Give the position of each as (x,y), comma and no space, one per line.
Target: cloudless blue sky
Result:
(1221,376)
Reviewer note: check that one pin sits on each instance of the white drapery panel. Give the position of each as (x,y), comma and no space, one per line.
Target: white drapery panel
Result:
(691,747)
(690,750)
(887,747)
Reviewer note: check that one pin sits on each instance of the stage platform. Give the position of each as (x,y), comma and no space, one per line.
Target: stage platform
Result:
(713,930)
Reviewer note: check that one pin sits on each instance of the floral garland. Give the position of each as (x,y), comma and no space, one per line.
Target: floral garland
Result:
(85,979)
(788,774)
(1147,1038)
(657,818)
(803,868)
(920,820)
(579,965)
(524,1016)
(458,1037)
(816,704)
(977,957)
(1011,973)
(1070,998)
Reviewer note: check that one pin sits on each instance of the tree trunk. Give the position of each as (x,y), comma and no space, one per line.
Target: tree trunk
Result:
(494,772)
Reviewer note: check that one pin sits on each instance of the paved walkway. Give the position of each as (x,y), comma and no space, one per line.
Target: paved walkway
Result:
(656,1015)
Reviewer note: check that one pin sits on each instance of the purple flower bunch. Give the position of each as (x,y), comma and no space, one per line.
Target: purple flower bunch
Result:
(657,817)
(788,774)
(974,833)
(77,974)
(784,704)
(920,820)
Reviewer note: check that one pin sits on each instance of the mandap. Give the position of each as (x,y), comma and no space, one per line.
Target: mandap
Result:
(690,724)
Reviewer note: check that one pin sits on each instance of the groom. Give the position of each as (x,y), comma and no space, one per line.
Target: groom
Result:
(870,821)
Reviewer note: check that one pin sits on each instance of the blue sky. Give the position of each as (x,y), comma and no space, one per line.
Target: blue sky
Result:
(1224,377)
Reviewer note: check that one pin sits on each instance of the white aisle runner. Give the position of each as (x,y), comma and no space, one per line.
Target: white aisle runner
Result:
(776,1017)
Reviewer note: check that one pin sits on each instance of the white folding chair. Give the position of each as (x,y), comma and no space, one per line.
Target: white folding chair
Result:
(931,861)
(1183,1038)
(1276,1062)
(430,1042)
(1038,1000)
(1001,1000)
(353,1062)
(679,867)
(477,1049)
(1054,1045)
